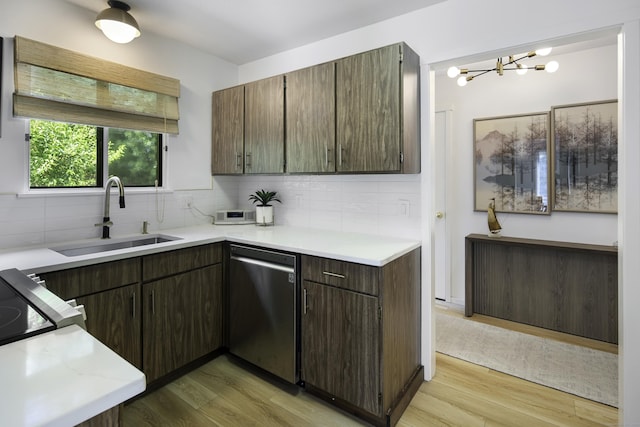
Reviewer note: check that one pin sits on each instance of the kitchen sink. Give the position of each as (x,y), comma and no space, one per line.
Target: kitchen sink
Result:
(114,244)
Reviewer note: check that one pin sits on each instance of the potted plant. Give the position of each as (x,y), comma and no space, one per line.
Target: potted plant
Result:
(264,210)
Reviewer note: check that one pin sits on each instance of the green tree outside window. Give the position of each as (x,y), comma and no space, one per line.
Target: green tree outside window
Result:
(65,155)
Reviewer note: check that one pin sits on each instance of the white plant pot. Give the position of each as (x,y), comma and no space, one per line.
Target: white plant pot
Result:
(264,215)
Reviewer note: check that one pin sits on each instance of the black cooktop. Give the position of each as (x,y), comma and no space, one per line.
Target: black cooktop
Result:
(18,319)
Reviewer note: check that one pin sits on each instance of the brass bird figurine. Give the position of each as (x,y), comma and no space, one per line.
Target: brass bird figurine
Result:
(494,225)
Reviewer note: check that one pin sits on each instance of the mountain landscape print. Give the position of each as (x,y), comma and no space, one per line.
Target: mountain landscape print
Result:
(511,163)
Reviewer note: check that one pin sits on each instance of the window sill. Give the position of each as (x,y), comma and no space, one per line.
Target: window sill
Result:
(70,192)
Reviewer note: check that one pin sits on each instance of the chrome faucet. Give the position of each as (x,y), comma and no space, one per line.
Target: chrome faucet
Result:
(106,222)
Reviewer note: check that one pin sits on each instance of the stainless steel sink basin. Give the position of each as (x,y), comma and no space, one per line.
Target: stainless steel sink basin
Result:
(114,244)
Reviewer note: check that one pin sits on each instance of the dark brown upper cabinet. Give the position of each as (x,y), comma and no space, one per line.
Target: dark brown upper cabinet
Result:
(264,126)
(227,138)
(310,119)
(377,111)
(359,114)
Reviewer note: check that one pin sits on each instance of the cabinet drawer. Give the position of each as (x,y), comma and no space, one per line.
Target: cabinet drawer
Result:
(169,263)
(91,279)
(342,274)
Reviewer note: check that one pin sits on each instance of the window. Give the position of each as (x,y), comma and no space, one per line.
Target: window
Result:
(65,155)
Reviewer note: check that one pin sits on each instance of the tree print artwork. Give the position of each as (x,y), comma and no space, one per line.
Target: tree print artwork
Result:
(585,167)
(512,164)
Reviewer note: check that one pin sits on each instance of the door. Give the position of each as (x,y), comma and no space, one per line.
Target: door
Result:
(264,126)
(227,137)
(368,111)
(182,319)
(310,104)
(341,344)
(442,256)
(113,317)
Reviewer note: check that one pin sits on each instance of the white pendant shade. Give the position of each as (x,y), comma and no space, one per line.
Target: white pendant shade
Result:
(118,25)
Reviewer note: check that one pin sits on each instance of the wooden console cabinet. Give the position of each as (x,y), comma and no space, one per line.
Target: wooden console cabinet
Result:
(566,287)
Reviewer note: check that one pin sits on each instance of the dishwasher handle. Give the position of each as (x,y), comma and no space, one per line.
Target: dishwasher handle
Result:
(265,264)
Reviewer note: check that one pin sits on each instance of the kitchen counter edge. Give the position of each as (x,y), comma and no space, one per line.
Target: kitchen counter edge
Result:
(368,249)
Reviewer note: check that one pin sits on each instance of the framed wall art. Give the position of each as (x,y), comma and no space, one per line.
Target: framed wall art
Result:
(511,163)
(585,157)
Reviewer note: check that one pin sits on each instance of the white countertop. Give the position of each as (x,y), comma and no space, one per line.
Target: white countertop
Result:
(62,378)
(353,247)
(66,376)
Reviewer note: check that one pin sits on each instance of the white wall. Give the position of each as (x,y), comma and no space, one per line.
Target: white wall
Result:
(39,219)
(584,76)
(461,28)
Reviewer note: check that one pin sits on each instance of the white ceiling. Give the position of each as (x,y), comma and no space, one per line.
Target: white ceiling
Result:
(242,31)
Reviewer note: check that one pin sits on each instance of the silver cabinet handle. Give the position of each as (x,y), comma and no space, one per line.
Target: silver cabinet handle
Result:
(248,164)
(153,302)
(339,154)
(238,160)
(304,301)
(339,276)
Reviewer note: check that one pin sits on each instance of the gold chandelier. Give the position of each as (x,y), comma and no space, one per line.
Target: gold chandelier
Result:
(502,66)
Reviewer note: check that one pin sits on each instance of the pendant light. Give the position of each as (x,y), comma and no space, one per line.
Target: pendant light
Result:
(117,24)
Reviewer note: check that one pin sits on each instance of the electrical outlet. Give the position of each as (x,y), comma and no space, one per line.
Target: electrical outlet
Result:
(186,202)
(404,208)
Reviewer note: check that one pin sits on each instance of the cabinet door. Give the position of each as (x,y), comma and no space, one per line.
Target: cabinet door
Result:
(310,104)
(341,344)
(264,126)
(368,111)
(182,319)
(227,137)
(113,317)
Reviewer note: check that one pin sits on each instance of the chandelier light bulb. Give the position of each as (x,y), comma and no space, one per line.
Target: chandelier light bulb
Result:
(552,67)
(453,72)
(543,52)
(522,69)
(462,81)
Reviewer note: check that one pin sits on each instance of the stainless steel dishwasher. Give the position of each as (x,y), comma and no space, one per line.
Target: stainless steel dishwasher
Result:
(263,312)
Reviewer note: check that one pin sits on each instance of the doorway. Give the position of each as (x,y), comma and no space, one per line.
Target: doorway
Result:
(577,80)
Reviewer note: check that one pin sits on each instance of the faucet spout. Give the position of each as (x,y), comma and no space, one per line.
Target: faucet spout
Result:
(106,222)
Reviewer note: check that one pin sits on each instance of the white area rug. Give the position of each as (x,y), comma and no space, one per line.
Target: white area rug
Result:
(582,371)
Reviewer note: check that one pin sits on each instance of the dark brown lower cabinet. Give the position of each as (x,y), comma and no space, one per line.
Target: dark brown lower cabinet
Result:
(182,319)
(341,340)
(110,293)
(360,333)
(159,312)
(113,317)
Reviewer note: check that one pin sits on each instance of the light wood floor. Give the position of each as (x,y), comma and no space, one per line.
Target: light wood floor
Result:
(221,393)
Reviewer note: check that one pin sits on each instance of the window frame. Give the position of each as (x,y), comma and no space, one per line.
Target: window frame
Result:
(102,163)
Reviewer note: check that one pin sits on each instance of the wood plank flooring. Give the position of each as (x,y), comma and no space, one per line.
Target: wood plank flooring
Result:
(221,393)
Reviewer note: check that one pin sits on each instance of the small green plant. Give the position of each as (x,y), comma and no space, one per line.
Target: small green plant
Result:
(263,198)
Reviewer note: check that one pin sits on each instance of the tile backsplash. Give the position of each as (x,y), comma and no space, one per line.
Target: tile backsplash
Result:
(376,204)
